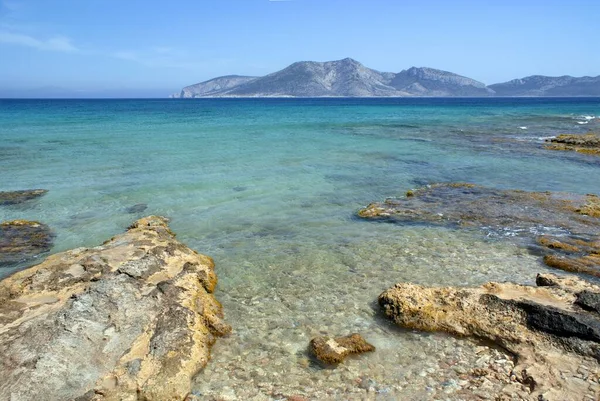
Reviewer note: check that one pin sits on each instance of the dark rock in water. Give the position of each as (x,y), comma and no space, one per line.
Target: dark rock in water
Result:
(588,143)
(131,319)
(334,350)
(137,208)
(588,300)
(16,197)
(552,336)
(21,240)
(239,189)
(563,227)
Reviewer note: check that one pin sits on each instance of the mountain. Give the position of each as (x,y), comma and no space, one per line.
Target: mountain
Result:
(343,78)
(214,86)
(538,85)
(432,82)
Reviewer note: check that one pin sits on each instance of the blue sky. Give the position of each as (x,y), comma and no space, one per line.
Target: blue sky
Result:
(153,48)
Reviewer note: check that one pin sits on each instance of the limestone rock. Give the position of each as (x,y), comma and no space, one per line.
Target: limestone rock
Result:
(16,197)
(588,143)
(553,329)
(21,240)
(564,227)
(334,350)
(132,319)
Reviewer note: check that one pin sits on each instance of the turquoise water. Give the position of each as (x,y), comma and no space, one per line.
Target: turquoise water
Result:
(269,189)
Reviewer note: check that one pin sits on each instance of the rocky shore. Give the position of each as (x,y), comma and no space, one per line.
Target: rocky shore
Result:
(563,227)
(587,143)
(552,329)
(132,319)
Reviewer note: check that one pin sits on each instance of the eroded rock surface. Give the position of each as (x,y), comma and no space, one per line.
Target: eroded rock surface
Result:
(21,240)
(132,319)
(334,350)
(553,329)
(16,197)
(564,227)
(588,143)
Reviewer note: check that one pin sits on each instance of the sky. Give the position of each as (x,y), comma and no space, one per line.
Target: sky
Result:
(152,48)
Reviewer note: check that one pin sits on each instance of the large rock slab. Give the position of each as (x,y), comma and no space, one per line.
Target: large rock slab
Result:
(21,240)
(564,227)
(553,329)
(132,319)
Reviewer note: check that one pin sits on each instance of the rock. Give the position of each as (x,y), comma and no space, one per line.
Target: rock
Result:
(543,221)
(137,208)
(21,240)
(131,319)
(16,197)
(334,350)
(545,327)
(588,143)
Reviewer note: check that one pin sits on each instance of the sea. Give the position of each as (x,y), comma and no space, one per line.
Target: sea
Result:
(270,189)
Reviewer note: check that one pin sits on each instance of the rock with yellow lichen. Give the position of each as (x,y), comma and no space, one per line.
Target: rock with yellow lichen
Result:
(132,319)
(553,329)
(587,143)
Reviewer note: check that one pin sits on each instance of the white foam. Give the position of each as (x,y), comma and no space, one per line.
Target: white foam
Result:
(523,127)
(582,122)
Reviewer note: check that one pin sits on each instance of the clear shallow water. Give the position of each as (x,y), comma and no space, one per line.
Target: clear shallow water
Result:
(269,189)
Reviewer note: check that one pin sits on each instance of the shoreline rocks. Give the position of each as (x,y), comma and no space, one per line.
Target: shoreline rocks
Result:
(335,350)
(16,197)
(21,240)
(131,319)
(553,329)
(563,227)
(587,143)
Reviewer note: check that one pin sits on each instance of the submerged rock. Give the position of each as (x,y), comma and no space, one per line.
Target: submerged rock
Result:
(588,143)
(16,197)
(564,227)
(553,329)
(21,240)
(137,208)
(131,319)
(334,350)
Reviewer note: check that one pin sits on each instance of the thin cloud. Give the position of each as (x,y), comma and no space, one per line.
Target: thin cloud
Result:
(55,43)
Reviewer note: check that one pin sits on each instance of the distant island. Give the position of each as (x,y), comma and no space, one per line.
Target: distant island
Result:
(349,78)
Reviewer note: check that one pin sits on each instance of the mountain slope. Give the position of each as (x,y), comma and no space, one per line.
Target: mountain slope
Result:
(539,85)
(431,82)
(214,86)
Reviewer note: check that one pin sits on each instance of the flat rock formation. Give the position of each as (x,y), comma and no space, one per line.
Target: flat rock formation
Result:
(553,329)
(540,85)
(132,319)
(21,240)
(335,350)
(16,197)
(340,78)
(588,143)
(540,220)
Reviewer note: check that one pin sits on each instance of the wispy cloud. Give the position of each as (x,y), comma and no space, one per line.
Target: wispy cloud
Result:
(54,43)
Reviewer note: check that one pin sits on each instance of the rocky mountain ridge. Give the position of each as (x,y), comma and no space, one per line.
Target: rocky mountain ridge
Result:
(349,78)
